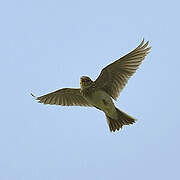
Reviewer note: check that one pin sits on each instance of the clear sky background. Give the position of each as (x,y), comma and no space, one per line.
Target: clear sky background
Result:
(47,45)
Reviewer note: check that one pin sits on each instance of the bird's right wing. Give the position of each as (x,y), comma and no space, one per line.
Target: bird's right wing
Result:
(115,76)
(64,97)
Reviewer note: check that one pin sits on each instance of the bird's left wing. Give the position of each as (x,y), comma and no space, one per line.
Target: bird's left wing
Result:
(115,76)
(64,97)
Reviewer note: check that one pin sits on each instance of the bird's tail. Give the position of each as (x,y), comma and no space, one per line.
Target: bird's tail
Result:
(123,119)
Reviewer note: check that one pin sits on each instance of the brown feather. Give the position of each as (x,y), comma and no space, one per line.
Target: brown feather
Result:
(114,77)
(64,97)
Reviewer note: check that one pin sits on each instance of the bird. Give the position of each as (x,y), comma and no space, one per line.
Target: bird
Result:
(102,92)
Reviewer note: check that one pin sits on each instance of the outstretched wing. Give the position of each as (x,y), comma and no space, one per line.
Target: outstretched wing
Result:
(115,76)
(64,97)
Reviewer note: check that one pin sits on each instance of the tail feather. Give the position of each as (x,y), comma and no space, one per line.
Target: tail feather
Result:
(123,119)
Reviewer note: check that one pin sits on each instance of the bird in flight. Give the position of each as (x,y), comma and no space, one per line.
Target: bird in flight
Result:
(101,92)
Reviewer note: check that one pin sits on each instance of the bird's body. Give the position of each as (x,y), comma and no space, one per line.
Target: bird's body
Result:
(101,92)
(102,101)
(99,99)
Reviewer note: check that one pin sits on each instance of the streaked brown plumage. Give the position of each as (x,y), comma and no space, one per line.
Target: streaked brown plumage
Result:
(99,93)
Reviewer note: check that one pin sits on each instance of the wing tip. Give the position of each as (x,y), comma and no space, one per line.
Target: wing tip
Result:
(144,45)
(142,42)
(32,95)
(35,97)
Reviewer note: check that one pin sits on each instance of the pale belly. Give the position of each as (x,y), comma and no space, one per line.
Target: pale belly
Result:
(103,101)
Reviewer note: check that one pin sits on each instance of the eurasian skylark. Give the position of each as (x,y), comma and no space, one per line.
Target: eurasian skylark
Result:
(107,86)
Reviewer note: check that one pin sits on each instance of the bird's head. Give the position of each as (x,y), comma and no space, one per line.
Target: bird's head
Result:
(85,82)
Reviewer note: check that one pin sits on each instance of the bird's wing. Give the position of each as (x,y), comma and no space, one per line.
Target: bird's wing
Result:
(64,97)
(115,76)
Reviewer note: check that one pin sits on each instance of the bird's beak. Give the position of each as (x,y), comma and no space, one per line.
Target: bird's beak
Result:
(82,80)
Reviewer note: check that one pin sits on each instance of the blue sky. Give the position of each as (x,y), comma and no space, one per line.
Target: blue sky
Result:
(47,45)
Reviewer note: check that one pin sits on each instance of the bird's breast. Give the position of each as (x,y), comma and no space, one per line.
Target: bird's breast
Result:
(101,100)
